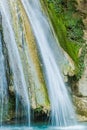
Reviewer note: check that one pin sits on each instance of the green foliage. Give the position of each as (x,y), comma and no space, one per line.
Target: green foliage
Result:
(73,24)
(39,109)
(69,27)
(74,28)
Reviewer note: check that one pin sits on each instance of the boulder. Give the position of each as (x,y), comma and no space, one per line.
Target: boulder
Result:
(81,105)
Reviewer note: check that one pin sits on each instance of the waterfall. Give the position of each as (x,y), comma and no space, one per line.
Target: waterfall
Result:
(62,113)
(15,62)
(3,86)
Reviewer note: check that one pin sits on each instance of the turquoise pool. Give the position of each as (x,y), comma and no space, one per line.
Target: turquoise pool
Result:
(45,127)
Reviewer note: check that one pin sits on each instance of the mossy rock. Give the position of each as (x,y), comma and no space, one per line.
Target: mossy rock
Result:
(65,24)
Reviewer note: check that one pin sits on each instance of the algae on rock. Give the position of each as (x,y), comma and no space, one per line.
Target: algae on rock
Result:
(68,26)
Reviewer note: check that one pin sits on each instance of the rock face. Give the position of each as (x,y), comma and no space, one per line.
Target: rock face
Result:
(82,84)
(82,5)
(81,102)
(81,107)
(31,63)
(29,56)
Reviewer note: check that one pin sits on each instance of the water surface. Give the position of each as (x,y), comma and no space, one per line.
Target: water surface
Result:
(45,127)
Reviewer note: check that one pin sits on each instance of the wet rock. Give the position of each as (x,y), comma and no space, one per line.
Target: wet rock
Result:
(11,89)
(81,118)
(69,68)
(81,105)
(82,83)
(29,56)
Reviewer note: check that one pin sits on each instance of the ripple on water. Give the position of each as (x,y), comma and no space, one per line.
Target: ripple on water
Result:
(16,128)
(78,127)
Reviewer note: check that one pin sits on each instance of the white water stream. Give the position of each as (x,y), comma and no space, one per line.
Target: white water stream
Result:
(3,86)
(15,62)
(62,113)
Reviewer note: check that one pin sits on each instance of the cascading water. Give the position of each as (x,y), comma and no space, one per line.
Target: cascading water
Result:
(15,62)
(62,113)
(3,86)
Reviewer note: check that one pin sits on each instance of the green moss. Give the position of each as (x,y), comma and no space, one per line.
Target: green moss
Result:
(68,28)
(39,109)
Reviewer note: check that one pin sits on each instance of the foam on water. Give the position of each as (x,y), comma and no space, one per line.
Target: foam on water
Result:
(16,128)
(78,127)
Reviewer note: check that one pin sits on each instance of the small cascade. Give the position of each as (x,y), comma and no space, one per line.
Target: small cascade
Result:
(21,90)
(62,113)
(3,86)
